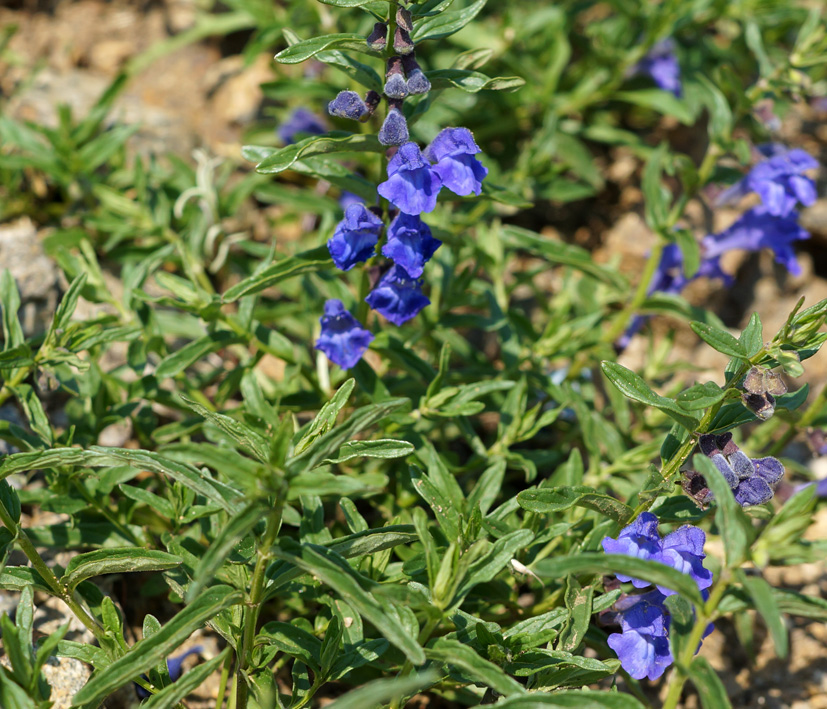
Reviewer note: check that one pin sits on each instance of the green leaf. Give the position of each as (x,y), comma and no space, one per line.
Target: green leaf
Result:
(326,418)
(198,481)
(228,536)
(719,340)
(381,691)
(246,436)
(150,651)
(439,501)
(720,113)
(599,563)
(16,578)
(293,641)
(445,23)
(547,500)
(752,338)
(116,561)
(469,663)
(734,525)
(701,396)
(306,262)
(579,604)
(332,570)
(711,690)
(764,601)
(348,3)
(562,253)
(663,102)
(485,568)
(572,699)
(633,386)
(275,160)
(657,195)
(472,81)
(9,305)
(307,48)
(381,448)
(176,362)
(170,696)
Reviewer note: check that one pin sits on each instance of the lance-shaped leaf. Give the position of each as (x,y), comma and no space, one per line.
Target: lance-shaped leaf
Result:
(468,662)
(472,81)
(547,500)
(246,436)
(382,448)
(380,691)
(116,561)
(597,563)
(446,23)
(171,695)
(150,651)
(274,160)
(335,572)
(307,48)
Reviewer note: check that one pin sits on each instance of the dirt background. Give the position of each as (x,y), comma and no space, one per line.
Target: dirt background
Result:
(202,96)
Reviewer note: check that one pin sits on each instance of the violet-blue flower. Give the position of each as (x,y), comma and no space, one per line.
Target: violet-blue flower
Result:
(397,296)
(779,180)
(301,121)
(355,237)
(412,185)
(757,229)
(661,64)
(683,550)
(410,244)
(643,645)
(751,479)
(453,151)
(342,339)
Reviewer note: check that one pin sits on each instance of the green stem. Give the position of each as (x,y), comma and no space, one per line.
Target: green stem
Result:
(254,602)
(48,575)
(705,616)
(424,635)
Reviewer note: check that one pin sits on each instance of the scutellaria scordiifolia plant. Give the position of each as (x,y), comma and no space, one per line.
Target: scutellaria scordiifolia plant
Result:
(546,459)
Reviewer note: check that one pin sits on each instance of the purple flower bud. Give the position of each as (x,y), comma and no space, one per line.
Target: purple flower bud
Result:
(402,42)
(397,296)
(404,20)
(396,86)
(377,40)
(348,104)
(394,130)
(751,479)
(342,339)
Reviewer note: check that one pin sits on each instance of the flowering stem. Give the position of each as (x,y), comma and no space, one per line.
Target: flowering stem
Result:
(254,601)
(629,311)
(705,616)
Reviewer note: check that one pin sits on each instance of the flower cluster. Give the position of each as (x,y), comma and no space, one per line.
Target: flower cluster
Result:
(780,182)
(751,479)
(414,179)
(643,643)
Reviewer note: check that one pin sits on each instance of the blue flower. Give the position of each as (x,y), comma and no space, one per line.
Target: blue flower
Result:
(662,66)
(453,151)
(410,243)
(301,121)
(397,296)
(778,180)
(751,479)
(343,340)
(757,229)
(643,645)
(355,237)
(412,185)
(348,104)
(174,666)
(683,550)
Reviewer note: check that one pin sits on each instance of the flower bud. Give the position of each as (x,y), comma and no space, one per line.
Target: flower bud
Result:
(417,81)
(402,42)
(403,19)
(372,100)
(378,39)
(395,84)
(394,130)
(348,104)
